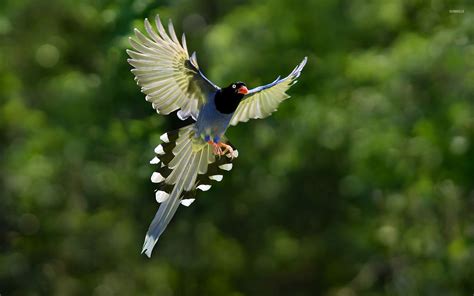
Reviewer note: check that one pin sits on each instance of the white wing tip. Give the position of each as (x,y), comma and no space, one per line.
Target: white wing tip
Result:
(302,64)
(193,60)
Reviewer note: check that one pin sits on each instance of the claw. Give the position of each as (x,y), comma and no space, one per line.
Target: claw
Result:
(227,148)
(217,149)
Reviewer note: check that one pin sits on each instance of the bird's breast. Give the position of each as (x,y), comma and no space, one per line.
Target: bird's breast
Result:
(211,122)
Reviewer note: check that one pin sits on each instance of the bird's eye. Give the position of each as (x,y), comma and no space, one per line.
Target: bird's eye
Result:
(233,86)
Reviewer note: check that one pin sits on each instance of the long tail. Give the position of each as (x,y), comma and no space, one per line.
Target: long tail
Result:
(160,221)
(185,163)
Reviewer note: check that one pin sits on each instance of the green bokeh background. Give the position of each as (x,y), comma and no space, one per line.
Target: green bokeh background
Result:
(361,184)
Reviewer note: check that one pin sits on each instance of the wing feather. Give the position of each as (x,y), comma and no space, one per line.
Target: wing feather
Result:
(264,100)
(169,77)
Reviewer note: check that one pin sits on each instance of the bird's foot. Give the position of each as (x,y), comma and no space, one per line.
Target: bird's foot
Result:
(227,148)
(217,149)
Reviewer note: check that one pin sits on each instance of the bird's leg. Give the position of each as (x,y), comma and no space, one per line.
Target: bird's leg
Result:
(216,149)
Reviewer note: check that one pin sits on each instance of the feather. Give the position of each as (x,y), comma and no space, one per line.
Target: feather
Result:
(167,75)
(185,164)
(261,101)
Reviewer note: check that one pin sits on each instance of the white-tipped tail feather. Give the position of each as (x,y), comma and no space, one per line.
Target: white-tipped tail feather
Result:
(185,165)
(155,160)
(187,202)
(204,187)
(159,150)
(157,177)
(217,178)
(161,196)
(164,138)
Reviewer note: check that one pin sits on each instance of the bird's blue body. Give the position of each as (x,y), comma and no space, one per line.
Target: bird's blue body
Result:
(211,124)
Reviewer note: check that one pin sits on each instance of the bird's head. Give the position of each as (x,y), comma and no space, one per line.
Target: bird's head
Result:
(228,98)
(237,89)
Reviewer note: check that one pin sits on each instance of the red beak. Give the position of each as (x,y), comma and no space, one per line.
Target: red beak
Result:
(243,90)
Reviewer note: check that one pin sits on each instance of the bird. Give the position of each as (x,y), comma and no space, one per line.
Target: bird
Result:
(195,156)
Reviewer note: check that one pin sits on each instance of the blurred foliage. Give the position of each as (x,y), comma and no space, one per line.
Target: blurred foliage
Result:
(361,184)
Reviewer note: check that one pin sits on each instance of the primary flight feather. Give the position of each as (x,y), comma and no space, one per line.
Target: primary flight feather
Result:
(192,157)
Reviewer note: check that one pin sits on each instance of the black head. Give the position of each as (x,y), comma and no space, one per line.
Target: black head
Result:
(229,97)
(237,88)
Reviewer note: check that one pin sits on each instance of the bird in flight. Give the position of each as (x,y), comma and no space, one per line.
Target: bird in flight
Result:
(192,157)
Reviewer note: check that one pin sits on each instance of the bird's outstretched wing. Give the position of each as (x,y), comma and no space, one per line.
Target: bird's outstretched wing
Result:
(169,77)
(261,101)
